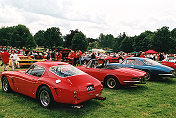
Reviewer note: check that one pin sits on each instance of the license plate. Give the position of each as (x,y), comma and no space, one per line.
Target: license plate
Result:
(90,88)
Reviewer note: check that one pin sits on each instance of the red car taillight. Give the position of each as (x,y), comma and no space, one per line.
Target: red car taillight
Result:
(76,95)
(101,87)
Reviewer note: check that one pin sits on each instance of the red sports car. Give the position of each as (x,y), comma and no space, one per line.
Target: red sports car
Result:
(109,59)
(53,81)
(113,77)
(170,61)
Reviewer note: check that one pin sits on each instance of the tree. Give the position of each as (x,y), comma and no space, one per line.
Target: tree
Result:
(126,45)
(68,38)
(30,42)
(53,37)
(141,42)
(117,42)
(39,38)
(79,42)
(6,36)
(162,41)
(106,41)
(173,34)
(93,45)
(21,36)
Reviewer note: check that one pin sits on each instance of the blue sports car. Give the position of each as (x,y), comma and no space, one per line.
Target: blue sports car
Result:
(152,68)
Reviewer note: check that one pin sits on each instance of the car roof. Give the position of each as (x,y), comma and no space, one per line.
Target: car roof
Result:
(48,64)
(136,58)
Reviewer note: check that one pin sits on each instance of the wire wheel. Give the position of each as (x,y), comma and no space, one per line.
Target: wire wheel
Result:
(112,82)
(147,76)
(45,97)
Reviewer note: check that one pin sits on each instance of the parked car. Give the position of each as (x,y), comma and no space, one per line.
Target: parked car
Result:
(152,68)
(52,81)
(170,61)
(111,76)
(110,59)
(24,61)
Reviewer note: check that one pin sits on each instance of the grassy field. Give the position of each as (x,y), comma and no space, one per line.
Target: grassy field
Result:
(154,99)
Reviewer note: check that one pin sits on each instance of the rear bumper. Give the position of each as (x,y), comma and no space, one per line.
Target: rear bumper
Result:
(74,100)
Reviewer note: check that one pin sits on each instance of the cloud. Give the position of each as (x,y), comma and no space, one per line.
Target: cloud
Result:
(92,17)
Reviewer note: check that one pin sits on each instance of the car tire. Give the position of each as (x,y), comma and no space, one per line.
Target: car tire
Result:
(148,74)
(112,82)
(45,97)
(5,84)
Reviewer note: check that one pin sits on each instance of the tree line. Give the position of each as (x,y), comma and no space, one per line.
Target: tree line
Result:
(161,40)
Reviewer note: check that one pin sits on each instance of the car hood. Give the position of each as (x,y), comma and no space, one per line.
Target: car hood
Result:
(163,68)
(131,71)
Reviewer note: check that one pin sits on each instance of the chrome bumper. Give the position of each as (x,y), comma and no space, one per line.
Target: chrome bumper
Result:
(131,81)
(165,74)
(141,81)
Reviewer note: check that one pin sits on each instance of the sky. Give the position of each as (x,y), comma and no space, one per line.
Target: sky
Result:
(92,17)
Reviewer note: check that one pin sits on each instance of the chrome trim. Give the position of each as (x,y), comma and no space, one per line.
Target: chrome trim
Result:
(131,81)
(166,74)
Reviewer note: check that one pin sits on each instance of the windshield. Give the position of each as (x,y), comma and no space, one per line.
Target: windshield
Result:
(150,62)
(66,70)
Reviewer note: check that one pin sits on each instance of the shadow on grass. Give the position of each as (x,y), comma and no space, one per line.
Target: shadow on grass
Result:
(165,80)
(134,88)
(21,99)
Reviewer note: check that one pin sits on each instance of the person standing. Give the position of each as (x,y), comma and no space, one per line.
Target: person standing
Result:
(59,57)
(5,59)
(13,57)
(80,57)
(75,58)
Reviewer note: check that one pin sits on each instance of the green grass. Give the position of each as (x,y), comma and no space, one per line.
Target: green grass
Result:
(154,99)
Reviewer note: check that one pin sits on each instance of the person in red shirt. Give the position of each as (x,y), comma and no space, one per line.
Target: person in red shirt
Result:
(5,59)
(59,57)
(79,56)
(142,55)
(71,57)
(75,58)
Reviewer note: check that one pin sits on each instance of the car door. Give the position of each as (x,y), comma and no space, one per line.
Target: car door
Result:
(25,82)
(92,69)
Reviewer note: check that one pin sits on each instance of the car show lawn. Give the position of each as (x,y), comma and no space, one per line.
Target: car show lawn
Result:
(154,99)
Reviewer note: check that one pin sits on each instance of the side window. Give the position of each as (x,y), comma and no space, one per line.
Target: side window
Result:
(36,70)
(130,61)
(138,62)
(124,62)
(147,63)
(57,70)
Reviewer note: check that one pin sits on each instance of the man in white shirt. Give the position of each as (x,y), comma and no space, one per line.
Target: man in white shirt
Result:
(13,57)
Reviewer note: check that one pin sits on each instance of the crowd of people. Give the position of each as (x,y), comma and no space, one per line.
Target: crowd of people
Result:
(74,57)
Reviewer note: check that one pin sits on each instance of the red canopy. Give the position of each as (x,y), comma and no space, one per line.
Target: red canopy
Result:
(151,52)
